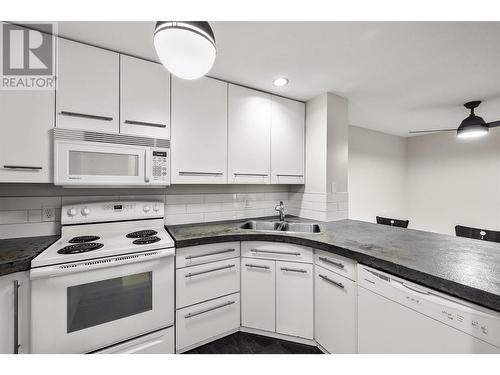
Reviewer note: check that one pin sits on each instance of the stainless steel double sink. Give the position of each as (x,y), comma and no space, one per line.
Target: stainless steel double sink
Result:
(281,226)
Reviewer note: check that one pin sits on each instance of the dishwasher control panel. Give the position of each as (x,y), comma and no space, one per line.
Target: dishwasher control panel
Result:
(464,316)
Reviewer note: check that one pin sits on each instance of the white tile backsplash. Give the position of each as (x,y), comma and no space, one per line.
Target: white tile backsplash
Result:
(22,216)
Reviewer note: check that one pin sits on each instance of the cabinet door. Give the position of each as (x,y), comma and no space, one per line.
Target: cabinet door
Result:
(7,311)
(87,87)
(144,98)
(335,311)
(199,131)
(25,144)
(287,141)
(258,294)
(249,136)
(294,299)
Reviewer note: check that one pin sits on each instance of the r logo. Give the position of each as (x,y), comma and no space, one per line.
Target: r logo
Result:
(27,52)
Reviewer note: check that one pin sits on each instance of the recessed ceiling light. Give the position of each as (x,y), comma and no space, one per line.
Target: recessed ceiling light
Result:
(280,82)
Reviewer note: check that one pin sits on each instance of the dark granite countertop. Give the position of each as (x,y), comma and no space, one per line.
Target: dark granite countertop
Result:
(16,253)
(465,268)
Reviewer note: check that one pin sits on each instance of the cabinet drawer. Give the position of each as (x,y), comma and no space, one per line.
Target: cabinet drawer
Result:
(336,263)
(194,255)
(200,283)
(335,312)
(201,322)
(277,251)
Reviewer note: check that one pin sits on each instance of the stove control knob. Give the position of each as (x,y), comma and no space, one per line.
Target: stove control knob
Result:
(85,211)
(71,212)
(146,208)
(156,208)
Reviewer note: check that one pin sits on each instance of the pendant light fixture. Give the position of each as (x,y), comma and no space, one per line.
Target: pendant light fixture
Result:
(186,48)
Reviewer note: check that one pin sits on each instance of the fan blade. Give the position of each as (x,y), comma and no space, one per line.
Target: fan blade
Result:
(493,124)
(432,131)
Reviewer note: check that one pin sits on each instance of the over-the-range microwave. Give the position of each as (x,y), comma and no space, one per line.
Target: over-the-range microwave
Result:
(88,158)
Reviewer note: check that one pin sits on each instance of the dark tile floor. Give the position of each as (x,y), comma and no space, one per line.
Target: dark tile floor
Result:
(247,343)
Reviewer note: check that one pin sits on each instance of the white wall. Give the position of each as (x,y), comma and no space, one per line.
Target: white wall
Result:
(377,175)
(454,181)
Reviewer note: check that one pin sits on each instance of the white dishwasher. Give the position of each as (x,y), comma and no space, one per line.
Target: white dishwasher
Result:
(397,316)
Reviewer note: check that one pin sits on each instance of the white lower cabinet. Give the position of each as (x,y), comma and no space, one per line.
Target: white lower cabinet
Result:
(206,281)
(294,299)
(161,342)
(10,298)
(205,321)
(335,312)
(258,294)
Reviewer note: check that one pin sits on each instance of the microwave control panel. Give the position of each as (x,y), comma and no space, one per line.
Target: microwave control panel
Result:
(159,167)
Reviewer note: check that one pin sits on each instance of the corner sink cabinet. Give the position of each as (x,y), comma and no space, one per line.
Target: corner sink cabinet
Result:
(280,290)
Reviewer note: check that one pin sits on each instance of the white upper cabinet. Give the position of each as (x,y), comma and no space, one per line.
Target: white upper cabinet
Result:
(199,131)
(144,98)
(25,144)
(287,141)
(249,136)
(87,87)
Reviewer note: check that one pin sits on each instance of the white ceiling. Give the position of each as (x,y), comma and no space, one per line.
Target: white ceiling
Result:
(398,76)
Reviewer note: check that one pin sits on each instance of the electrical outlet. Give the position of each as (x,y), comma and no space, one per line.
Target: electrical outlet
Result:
(48,214)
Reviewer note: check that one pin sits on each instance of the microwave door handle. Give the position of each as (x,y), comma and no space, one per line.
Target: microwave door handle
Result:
(147,166)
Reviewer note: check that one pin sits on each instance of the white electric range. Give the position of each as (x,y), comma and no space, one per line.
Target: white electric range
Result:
(107,285)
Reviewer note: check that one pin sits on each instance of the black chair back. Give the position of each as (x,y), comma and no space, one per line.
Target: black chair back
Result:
(477,233)
(392,222)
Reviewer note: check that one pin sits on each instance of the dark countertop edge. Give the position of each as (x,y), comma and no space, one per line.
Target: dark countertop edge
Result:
(23,262)
(467,293)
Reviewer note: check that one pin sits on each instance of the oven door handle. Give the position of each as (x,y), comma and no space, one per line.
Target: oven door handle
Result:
(93,264)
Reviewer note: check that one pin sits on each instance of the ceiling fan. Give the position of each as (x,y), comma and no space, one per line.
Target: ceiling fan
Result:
(472,126)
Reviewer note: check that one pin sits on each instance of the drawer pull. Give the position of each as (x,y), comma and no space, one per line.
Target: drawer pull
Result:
(194,173)
(252,174)
(326,260)
(190,315)
(340,285)
(84,115)
(257,266)
(289,175)
(22,167)
(208,254)
(143,123)
(208,271)
(293,270)
(275,252)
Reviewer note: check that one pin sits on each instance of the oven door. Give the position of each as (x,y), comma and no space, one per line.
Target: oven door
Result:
(84,306)
(90,163)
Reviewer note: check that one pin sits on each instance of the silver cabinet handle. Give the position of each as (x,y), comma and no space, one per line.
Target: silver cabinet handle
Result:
(208,271)
(209,254)
(326,260)
(251,174)
(22,167)
(258,266)
(190,315)
(289,175)
(87,116)
(293,270)
(193,173)
(340,285)
(143,123)
(275,252)
(16,317)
